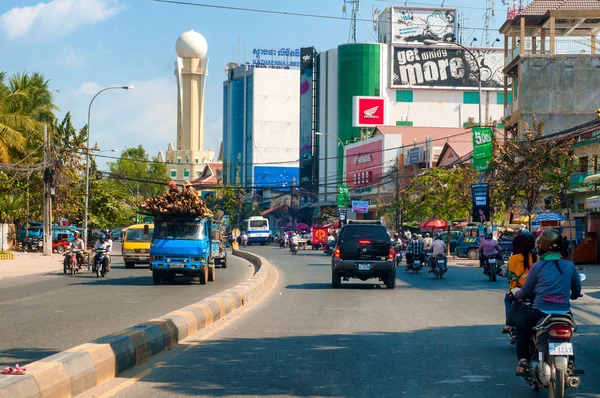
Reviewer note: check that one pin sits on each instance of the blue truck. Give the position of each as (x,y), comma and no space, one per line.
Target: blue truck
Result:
(181,246)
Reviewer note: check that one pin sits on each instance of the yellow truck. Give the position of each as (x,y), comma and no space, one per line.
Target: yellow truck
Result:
(136,244)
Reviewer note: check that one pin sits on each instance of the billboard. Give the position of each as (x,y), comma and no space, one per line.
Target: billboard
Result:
(306,119)
(274,176)
(482,148)
(360,206)
(368,111)
(283,58)
(364,163)
(413,25)
(480,197)
(437,67)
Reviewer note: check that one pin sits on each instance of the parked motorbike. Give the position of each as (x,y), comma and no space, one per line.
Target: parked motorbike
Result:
(440,266)
(98,266)
(414,263)
(33,244)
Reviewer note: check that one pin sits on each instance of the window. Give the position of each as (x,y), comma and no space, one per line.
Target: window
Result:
(471,97)
(186,173)
(187,160)
(178,160)
(583,164)
(404,123)
(198,173)
(195,160)
(500,126)
(173,173)
(500,98)
(404,96)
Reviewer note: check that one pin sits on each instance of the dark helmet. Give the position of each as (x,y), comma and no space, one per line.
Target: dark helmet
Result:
(438,235)
(530,238)
(488,235)
(549,241)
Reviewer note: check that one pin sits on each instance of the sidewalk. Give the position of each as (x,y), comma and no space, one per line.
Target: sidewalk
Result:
(29,264)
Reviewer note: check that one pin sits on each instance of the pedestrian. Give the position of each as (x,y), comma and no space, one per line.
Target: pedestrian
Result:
(173,187)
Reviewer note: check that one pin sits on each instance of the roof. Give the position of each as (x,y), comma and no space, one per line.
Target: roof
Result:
(410,134)
(211,175)
(541,7)
(455,153)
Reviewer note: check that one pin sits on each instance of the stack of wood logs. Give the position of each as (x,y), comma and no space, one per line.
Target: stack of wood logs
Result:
(186,202)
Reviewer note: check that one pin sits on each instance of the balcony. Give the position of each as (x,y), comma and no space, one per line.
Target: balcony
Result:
(562,47)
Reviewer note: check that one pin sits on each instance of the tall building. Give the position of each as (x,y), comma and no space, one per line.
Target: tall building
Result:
(261,127)
(552,55)
(187,159)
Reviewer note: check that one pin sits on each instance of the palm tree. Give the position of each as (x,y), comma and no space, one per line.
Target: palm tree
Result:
(11,207)
(25,103)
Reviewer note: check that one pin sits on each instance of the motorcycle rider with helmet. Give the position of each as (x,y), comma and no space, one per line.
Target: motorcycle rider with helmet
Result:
(488,248)
(555,281)
(414,248)
(103,244)
(438,249)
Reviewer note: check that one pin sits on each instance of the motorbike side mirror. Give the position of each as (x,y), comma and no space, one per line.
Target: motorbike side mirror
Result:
(582,276)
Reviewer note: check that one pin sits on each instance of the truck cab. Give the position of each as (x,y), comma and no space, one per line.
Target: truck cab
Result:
(181,245)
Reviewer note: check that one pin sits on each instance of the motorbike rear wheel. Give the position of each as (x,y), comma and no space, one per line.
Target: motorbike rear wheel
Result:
(556,388)
(493,272)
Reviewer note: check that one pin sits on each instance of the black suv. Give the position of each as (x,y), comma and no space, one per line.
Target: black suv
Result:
(364,250)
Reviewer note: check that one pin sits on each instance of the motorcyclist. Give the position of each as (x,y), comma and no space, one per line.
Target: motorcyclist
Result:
(397,243)
(427,241)
(78,245)
(555,281)
(244,239)
(438,249)
(414,248)
(103,244)
(294,241)
(488,248)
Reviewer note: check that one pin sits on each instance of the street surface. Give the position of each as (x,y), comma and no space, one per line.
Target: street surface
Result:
(44,314)
(426,338)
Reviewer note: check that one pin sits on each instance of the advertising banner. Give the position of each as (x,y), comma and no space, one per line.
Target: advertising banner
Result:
(368,111)
(415,155)
(446,67)
(364,163)
(360,206)
(342,195)
(306,119)
(480,195)
(413,25)
(343,213)
(274,176)
(482,148)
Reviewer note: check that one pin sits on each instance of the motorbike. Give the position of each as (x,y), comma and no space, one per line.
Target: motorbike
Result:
(33,244)
(440,266)
(294,249)
(98,266)
(328,247)
(398,255)
(414,264)
(70,263)
(493,269)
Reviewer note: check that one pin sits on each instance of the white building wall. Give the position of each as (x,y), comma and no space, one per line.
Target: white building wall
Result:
(276,117)
(328,123)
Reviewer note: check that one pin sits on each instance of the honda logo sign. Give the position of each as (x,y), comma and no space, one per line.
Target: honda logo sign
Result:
(368,111)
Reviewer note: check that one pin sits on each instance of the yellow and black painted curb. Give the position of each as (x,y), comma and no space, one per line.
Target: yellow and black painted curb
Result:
(7,256)
(81,368)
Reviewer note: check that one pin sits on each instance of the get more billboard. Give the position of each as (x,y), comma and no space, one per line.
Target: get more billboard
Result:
(436,67)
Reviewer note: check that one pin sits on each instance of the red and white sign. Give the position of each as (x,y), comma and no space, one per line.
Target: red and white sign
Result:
(368,111)
(364,162)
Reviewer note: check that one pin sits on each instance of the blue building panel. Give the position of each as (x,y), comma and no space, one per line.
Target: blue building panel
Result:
(275,176)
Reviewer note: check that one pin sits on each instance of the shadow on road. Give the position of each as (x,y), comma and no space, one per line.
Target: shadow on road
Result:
(354,365)
(327,286)
(23,356)
(129,281)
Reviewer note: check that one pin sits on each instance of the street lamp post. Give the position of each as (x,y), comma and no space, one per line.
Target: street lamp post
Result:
(87,160)
(343,173)
(435,42)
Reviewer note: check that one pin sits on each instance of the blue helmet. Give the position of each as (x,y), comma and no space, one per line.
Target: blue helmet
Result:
(102,236)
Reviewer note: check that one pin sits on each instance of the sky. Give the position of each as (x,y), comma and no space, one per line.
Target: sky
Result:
(82,46)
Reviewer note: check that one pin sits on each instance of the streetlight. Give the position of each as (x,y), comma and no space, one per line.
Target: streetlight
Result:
(428,42)
(87,159)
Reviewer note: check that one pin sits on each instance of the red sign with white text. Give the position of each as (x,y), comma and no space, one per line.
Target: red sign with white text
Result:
(364,164)
(368,111)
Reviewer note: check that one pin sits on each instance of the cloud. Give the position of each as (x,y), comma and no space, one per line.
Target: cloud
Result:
(67,58)
(56,18)
(87,88)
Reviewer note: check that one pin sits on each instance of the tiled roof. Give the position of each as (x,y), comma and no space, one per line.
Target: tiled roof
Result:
(410,134)
(209,174)
(541,7)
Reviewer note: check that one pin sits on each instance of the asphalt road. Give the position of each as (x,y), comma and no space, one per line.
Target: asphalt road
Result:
(44,314)
(426,338)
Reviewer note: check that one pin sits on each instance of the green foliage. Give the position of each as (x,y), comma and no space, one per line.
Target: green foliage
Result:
(137,175)
(440,193)
(531,169)
(12,207)
(231,201)
(110,205)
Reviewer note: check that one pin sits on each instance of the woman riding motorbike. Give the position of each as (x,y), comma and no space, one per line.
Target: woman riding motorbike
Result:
(554,281)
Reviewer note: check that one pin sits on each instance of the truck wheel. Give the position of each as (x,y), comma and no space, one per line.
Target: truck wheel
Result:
(336,280)
(129,264)
(472,254)
(157,277)
(390,280)
(203,277)
(212,275)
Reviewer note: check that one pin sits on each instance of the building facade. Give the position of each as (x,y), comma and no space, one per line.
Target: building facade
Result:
(261,126)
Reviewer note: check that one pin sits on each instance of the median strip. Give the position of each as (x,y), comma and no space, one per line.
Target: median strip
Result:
(86,366)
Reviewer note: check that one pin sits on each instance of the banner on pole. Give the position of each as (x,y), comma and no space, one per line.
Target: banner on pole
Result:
(482,148)
(342,195)
(480,194)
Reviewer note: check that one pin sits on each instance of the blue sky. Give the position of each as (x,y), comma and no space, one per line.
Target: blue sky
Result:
(84,45)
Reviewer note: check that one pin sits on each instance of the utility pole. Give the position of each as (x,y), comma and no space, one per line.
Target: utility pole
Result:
(292,202)
(47,236)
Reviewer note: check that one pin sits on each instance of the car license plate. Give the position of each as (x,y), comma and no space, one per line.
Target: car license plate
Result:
(176,265)
(364,267)
(492,261)
(560,348)
(417,262)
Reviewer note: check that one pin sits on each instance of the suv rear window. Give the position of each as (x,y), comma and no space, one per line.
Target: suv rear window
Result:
(364,232)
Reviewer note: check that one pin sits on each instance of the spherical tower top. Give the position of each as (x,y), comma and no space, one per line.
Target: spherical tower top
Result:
(191,45)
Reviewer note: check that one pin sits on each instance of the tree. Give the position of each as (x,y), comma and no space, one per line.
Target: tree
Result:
(231,201)
(12,207)
(109,205)
(138,175)
(532,168)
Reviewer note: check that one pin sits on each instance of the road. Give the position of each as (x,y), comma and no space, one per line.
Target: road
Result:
(45,314)
(426,338)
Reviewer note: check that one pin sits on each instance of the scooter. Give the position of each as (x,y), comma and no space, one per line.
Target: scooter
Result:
(440,266)
(398,255)
(33,244)
(328,247)
(493,268)
(98,266)
(294,249)
(414,264)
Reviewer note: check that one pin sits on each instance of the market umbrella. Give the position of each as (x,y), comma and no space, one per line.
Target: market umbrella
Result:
(302,226)
(547,217)
(593,179)
(434,223)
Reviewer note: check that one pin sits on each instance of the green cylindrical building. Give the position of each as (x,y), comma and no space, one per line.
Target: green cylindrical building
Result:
(359,74)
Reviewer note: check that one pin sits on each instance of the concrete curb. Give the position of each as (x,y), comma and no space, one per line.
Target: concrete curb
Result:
(7,256)
(81,368)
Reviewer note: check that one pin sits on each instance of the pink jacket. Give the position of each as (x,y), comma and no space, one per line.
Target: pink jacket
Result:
(489,247)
